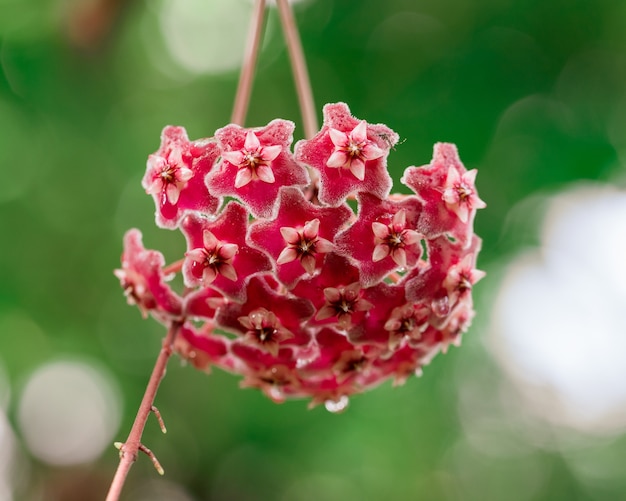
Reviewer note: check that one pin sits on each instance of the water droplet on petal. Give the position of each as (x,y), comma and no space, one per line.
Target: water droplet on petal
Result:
(337,406)
(441,306)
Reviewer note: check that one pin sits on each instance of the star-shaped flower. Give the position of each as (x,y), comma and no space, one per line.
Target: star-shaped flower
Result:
(300,235)
(253,160)
(143,280)
(352,150)
(349,154)
(460,194)
(461,278)
(268,320)
(218,254)
(175,176)
(343,302)
(447,192)
(384,237)
(255,164)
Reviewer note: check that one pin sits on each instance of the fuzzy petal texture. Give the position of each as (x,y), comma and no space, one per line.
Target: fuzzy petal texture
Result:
(229,228)
(349,155)
(175,177)
(255,164)
(294,211)
(144,281)
(368,240)
(436,185)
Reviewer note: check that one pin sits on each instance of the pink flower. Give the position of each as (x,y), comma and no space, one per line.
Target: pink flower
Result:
(352,150)
(287,284)
(461,277)
(383,239)
(143,280)
(460,195)
(175,177)
(300,235)
(348,144)
(253,160)
(218,254)
(213,258)
(255,164)
(343,302)
(445,179)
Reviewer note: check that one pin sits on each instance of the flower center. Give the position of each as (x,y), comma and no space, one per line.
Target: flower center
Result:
(168,174)
(354,149)
(251,160)
(464,191)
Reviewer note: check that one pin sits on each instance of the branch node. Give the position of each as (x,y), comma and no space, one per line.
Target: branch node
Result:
(157,414)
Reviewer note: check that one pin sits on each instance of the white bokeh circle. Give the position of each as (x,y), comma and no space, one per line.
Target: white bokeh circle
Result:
(68,412)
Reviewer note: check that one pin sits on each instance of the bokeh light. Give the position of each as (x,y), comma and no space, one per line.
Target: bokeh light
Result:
(205,37)
(68,412)
(558,328)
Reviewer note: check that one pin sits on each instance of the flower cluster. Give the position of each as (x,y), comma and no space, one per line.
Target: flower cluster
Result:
(286,284)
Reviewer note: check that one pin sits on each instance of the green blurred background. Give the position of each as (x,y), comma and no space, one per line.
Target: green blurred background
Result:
(532,92)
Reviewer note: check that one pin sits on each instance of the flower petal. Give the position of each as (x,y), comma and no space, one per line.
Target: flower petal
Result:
(357,167)
(359,133)
(271,152)
(339,158)
(265,174)
(252,142)
(339,139)
(287,255)
(243,177)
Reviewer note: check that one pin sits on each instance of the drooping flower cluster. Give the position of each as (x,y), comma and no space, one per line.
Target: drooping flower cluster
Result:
(285,283)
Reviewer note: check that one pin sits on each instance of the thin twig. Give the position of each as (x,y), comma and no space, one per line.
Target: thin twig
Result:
(130,448)
(174,267)
(242,97)
(298,65)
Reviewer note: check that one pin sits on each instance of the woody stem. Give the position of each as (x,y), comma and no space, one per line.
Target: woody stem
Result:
(298,65)
(130,448)
(244,89)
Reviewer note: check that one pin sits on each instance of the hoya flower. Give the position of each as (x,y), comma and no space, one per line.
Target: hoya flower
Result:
(255,164)
(461,277)
(218,254)
(352,150)
(300,235)
(143,280)
(175,176)
(446,190)
(349,155)
(384,238)
(460,195)
(342,303)
(290,286)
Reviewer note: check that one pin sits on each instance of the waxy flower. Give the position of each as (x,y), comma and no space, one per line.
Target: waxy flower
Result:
(349,155)
(352,150)
(255,164)
(460,195)
(289,286)
(175,177)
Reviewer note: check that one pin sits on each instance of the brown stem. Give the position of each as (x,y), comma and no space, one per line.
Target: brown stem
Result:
(298,65)
(242,97)
(130,448)
(174,267)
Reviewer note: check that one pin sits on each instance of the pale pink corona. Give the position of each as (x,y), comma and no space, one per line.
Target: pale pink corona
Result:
(287,285)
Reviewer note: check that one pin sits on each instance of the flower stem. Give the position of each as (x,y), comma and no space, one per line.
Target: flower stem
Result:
(244,88)
(298,65)
(130,448)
